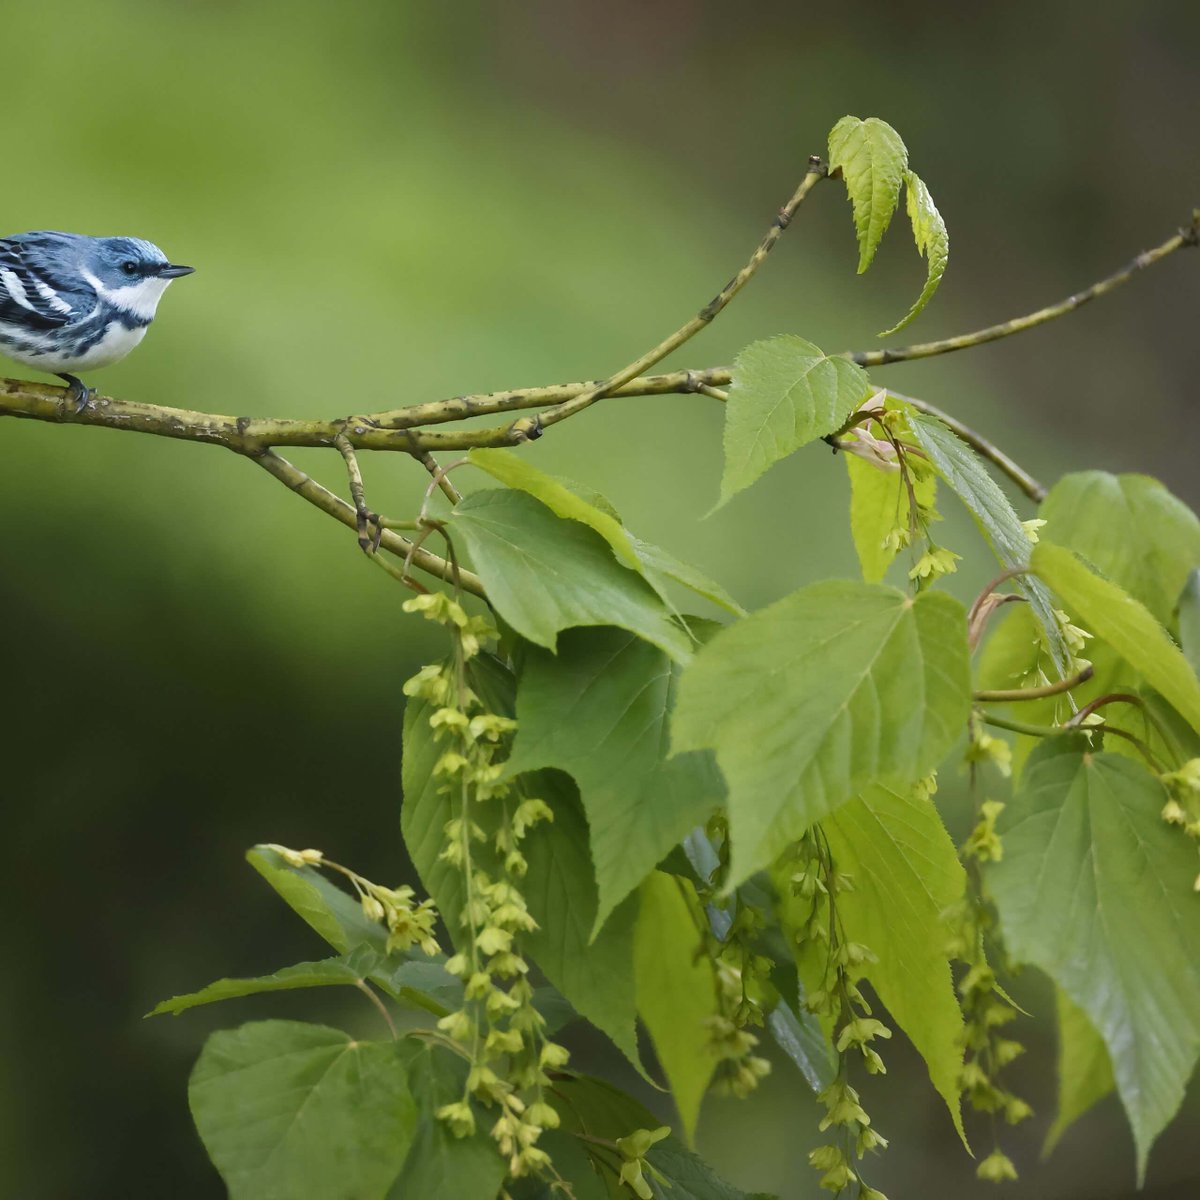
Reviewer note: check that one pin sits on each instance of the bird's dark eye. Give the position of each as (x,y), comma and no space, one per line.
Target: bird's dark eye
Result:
(130,267)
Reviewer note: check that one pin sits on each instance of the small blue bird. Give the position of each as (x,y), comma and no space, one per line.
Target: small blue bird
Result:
(73,303)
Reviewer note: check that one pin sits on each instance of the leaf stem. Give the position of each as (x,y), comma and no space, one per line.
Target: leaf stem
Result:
(369,992)
(1008,695)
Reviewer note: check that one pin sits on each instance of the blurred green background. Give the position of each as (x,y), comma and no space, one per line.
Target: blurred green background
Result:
(393,202)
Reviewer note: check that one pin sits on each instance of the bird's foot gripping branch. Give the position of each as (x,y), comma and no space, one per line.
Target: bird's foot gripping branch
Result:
(723,834)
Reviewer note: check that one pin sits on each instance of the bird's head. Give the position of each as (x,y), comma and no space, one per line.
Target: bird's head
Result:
(130,273)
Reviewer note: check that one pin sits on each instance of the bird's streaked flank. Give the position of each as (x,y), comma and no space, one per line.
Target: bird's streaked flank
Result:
(71,303)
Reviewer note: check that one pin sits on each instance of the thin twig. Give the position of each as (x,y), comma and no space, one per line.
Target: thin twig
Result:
(440,476)
(369,992)
(307,487)
(560,412)
(989,450)
(1010,695)
(1189,235)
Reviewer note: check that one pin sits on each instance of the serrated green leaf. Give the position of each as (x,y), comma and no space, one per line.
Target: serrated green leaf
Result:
(1096,890)
(835,687)
(326,973)
(963,471)
(596,975)
(1124,624)
(906,874)
(785,393)
(873,158)
(1189,620)
(676,989)
(291,1111)
(598,710)
(1085,1074)
(544,573)
(440,1164)
(932,239)
(576,502)
(1131,528)
(879,503)
(324,906)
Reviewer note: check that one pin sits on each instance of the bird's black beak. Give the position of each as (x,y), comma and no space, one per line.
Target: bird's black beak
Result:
(173,272)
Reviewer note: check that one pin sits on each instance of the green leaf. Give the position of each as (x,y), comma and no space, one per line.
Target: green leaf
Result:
(1120,620)
(785,393)
(593,1106)
(873,160)
(659,565)
(801,1038)
(1131,529)
(440,1164)
(544,574)
(324,906)
(329,972)
(676,989)
(879,503)
(594,975)
(290,1111)
(1096,890)
(810,700)
(598,710)
(577,503)
(1085,1074)
(906,874)
(1189,620)
(932,239)
(964,472)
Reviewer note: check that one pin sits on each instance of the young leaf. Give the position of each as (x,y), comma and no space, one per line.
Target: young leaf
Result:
(594,975)
(810,700)
(906,874)
(323,905)
(933,242)
(1131,528)
(598,710)
(872,158)
(1085,1073)
(1096,890)
(290,1111)
(440,1164)
(578,503)
(1125,624)
(329,972)
(785,394)
(966,475)
(544,574)
(879,503)
(676,989)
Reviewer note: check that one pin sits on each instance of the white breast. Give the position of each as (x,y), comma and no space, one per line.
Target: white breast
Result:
(117,342)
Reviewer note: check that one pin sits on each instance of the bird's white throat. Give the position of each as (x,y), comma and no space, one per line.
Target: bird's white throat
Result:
(138,299)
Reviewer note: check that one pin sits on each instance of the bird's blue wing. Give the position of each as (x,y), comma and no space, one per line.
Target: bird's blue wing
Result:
(40,285)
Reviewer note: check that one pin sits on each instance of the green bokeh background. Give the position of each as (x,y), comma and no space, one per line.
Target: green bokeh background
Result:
(395,202)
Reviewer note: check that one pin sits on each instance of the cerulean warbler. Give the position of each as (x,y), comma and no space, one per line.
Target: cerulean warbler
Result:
(74,303)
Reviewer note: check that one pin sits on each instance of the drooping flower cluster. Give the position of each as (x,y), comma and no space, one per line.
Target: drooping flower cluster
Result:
(408,924)
(986,1011)
(743,977)
(1183,806)
(488,819)
(839,1002)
